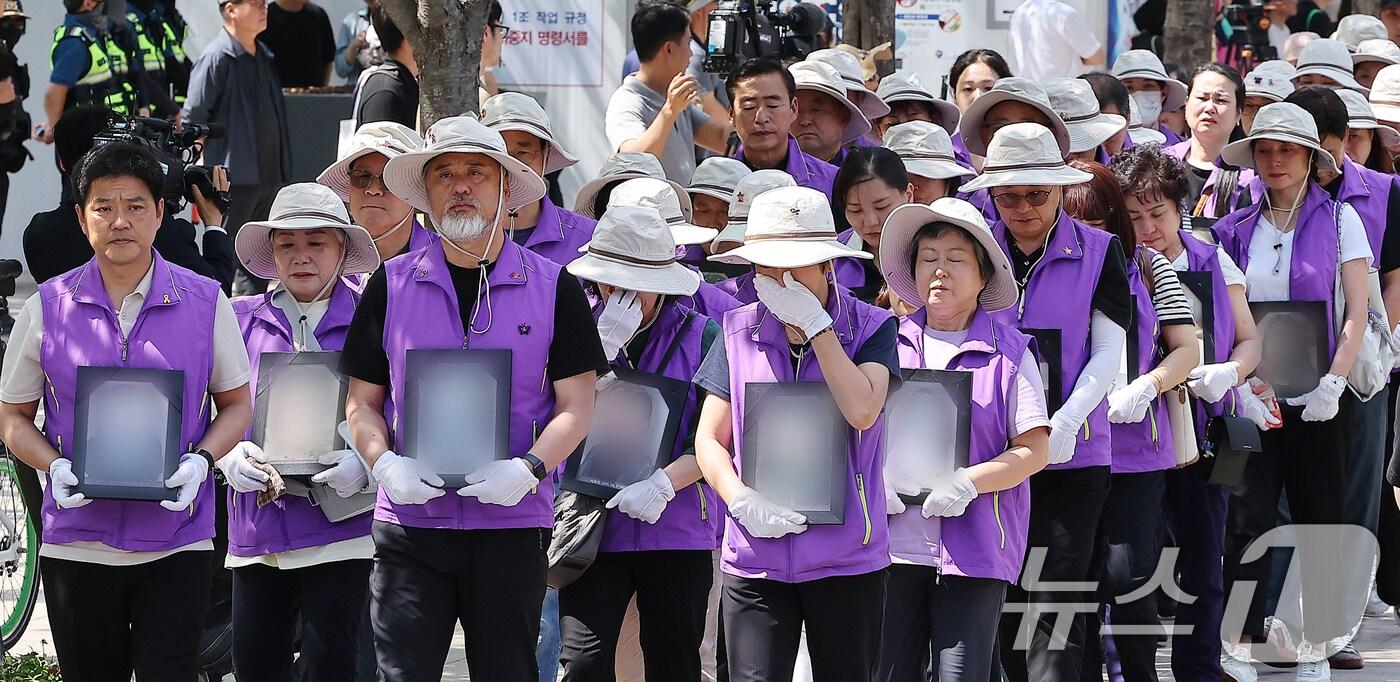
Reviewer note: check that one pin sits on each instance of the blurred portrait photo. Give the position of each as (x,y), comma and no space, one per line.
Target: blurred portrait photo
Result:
(1294,345)
(125,443)
(927,425)
(301,407)
(454,431)
(794,450)
(624,442)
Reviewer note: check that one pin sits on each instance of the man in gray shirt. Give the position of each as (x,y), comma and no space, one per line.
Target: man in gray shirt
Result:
(640,118)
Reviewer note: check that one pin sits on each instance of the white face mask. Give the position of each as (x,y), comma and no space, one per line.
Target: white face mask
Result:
(1149,104)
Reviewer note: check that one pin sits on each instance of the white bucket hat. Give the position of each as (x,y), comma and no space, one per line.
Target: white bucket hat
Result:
(906,87)
(821,77)
(1074,100)
(466,135)
(1378,50)
(848,66)
(1385,94)
(1275,66)
(1015,89)
(631,248)
(624,166)
(897,251)
(514,111)
(1273,83)
(745,192)
(926,150)
(717,177)
(1145,64)
(381,137)
(1354,28)
(305,206)
(1285,122)
(1025,154)
(790,227)
(1329,58)
(661,197)
(1139,133)
(1360,117)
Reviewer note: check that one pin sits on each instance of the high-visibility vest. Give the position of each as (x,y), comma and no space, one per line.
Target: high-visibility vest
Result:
(107,81)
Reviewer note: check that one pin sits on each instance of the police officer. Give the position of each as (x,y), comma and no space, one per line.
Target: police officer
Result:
(90,66)
(14,122)
(160,42)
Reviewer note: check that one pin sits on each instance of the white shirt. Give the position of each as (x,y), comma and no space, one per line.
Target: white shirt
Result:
(1271,255)
(1050,39)
(303,332)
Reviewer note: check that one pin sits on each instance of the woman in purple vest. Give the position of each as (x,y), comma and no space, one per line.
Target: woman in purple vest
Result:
(732,236)
(871,183)
(290,563)
(955,554)
(1213,113)
(659,532)
(126,582)
(1074,300)
(1154,187)
(927,153)
(1160,352)
(1290,246)
(358,179)
(781,574)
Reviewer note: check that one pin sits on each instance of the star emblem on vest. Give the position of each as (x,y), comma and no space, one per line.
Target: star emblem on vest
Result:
(524,329)
(1068,251)
(515,275)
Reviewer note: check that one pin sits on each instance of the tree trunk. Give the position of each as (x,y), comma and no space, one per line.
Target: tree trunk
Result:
(1187,35)
(446,40)
(867,23)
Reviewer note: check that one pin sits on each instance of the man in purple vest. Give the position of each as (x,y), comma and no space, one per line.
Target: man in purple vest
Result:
(474,555)
(763,108)
(358,178)
(126,582)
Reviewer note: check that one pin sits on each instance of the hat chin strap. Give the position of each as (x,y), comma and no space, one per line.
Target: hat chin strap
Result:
(395,228)
(483,289)
(323,293)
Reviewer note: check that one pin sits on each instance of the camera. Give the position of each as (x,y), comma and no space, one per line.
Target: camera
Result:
(740,30)
(177,149)
(1243,28)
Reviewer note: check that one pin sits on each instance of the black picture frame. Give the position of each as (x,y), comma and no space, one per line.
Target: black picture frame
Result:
(282,426)
(463,436)
(664,400)
(127,406)
(1202,286)
(1047,353)
(918,411)
(804,419)
(1294,355)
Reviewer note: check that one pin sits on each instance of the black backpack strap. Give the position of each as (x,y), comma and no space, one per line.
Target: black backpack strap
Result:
(690,316)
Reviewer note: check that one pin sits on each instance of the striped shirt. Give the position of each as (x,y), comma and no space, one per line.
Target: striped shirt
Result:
(1168,296)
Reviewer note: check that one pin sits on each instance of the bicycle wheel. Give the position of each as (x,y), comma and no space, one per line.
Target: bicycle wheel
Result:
(19,555)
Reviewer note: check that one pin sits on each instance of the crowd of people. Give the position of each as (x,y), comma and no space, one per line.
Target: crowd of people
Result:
(1155,312)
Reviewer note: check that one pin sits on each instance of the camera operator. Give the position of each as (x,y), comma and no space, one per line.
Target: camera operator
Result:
(54,242)
(14,122)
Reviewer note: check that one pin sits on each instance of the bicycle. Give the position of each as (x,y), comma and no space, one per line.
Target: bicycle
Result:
(19,547)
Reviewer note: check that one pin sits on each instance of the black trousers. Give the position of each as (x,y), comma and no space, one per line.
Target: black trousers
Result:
(248,203)
(425,580)
(323,602)
(111,621)
(1129,547)
(948,620)
(1388,530)
(672,589)
(1308,459)
(1198,511)
(764,619)
(1066,505)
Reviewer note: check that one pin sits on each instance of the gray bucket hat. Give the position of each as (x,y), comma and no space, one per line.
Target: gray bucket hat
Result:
(403,175)
(1331,59)
(661,197)
(624,166)
(1360,117)
(748,189)
(822,77)
(1074,101)
(906,87)
(1284,122)
(1354,28)
(1012,89)
(1145,64)
(305,206)
(632,249)
(514,111)
(926,150)
(717,177)
(871,104)
(1025,154)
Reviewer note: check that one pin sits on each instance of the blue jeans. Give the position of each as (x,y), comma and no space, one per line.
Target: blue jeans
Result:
(548,645)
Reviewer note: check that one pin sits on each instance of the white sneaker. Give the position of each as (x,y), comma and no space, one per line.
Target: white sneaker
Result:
(1313,671)
(1236,669)
(1374,606)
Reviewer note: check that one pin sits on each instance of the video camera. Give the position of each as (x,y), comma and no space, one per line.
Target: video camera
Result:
(1243,28)
(178,149)
(743,29)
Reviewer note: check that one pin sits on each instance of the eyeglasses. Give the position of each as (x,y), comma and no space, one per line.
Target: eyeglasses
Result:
(255,4)
(1013,200)
(502,31)
(364,179)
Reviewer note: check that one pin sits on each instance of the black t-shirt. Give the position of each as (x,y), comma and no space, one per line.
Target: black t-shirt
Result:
(1196,179)
(390,93)
(575,348)
(1390,240)
(302,43)
(882,347)
(1111,295)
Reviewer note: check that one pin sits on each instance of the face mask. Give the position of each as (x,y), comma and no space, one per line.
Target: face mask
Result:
(10,33)
(1149,104)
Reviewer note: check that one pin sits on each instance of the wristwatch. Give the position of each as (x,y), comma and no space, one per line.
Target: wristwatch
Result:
(208,457)
(536,466)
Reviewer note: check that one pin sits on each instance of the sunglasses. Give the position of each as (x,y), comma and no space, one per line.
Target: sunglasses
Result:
(1013,200)
(366,179)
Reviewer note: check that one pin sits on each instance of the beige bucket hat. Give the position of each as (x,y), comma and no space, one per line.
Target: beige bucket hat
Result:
(461,134)
(305,206)
(926,150)
(1146,64)
(849,67)
(1285,122)
(748,189)
(514,111)
(906,87)
(717,177)
(381,137)
(1009,89)
(631,248)
(1025,154)
(1330,58)
(1074,100)
(821,77)
(661,197)
(624,166)
(790,227)
(897,250)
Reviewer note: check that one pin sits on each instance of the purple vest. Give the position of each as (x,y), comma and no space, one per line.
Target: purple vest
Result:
(741,288)
(850,273)
(289,522)
(422,312)
(1369,193)
(1312,274)
(1057,296)
(1203,257)
(559,233)
(712,301)
(989,539)
(1172,138)
(1181,149)
(419,236)
(174,330)
(1146,445)
(691,518)
(758,352)
(807,170)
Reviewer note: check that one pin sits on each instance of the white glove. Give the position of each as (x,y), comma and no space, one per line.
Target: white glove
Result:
(405,480)
(893,505)
(241,475)
(645,500)
(764,519)
(61,482)
(1128,405)
(1320,404)
(188,477)
(1064,432)
(1256,410)
(347,474)
(792,303)
(619,321)
(503,482)
(1211,382)
(950,495)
